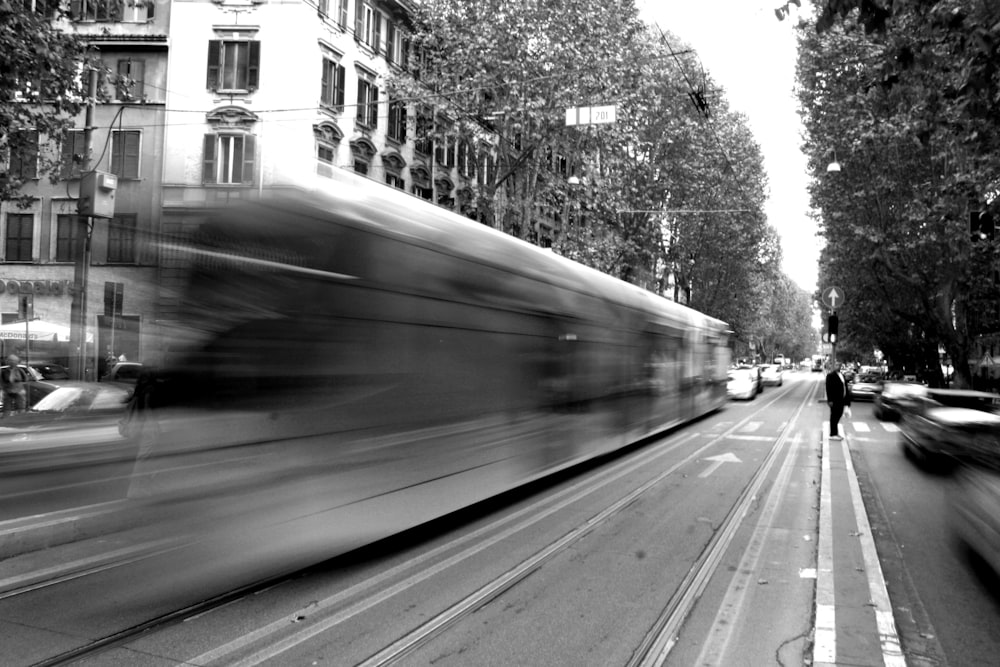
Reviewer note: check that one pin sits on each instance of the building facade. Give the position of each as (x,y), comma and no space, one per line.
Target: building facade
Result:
(36,243)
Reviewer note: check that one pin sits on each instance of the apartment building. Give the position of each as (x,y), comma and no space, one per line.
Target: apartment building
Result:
(36,243)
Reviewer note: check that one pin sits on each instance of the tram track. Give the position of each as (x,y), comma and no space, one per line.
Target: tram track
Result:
(273,639)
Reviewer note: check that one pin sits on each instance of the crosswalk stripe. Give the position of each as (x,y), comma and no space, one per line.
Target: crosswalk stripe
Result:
(861,427)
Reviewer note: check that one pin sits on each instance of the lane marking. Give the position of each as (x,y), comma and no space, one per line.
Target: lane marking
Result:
(861,427)
(892,652)
(825,636)
(717,461)
(891,428)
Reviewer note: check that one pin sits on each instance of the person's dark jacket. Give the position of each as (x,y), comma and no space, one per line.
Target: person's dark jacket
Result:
(836,390)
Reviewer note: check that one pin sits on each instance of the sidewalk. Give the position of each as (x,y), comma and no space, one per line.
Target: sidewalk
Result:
(853,616)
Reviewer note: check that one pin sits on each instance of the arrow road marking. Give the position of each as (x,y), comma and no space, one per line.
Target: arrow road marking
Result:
(717,461)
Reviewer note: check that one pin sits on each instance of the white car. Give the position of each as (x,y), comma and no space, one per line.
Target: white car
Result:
(743,383)
(772,375)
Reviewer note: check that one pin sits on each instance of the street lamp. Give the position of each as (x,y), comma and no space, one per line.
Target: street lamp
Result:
(833,166)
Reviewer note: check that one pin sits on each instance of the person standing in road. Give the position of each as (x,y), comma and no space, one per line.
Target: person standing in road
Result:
(837,397)
(12,383)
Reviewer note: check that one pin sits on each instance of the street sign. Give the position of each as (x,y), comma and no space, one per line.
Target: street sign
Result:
(833,297)
(591,115)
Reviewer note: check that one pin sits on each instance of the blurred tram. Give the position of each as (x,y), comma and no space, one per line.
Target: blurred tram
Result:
(351,366)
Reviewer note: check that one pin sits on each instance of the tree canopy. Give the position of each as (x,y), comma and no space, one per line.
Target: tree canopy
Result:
(901,93)
(40,95)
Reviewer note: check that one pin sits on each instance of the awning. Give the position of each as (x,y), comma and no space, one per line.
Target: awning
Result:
(38,330)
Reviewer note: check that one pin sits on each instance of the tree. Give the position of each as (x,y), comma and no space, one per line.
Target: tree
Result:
(917,154)
(40,95)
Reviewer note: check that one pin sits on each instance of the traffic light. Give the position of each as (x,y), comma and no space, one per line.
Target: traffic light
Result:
(25,307)
(831,326)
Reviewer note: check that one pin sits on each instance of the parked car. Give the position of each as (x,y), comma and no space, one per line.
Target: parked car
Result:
(52,402)
(743,383)
(866,387)
(771,374)
(946,425)
(49,371)
(126,372)
(896,397)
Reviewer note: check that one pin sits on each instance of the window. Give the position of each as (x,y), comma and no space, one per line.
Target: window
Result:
(466,165)
(131,74)
(367,25)
(96,10)
(395,180)
(367,103)
(424,140)
(342,13)
(332,90)
(66,230)
(444,152)
(233,65)
(325,153)
(19,237)
(361,166)
(23,146)
(121,239)
(74,152)
(229,159)
(394,43)
(125,153)
(423,193)
(397,121)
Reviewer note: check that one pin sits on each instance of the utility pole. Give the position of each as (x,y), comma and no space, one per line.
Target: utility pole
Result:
(81,248)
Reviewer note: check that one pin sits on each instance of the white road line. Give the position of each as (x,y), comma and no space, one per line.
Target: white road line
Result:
(891,428)
(861,427)
(892,653)
(751,427)
(825,637)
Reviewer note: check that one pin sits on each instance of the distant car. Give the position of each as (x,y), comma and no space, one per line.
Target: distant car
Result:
(126,372)
(743,383)
(947,425)
(866,387)
(771,374)
(895,398)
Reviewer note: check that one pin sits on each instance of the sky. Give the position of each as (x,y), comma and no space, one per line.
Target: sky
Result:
(751,54)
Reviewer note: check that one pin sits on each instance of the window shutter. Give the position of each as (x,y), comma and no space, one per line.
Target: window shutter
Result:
(404,56)
(68,151)
(249,151)
(390,42)
(377,20)
(253,72)
(373,108)
(341,75)
(324,91)
(343,14)
(131,155)
(150,9)
(74,9)
(208,161)
(359,20)
(362,100)
(214,53)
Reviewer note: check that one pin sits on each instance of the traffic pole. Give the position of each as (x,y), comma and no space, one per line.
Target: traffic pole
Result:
(81,251)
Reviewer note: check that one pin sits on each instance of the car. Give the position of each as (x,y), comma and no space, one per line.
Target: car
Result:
(866,387)
(895,398)
(52,402)
(743,383)
(942,426)
(124,372)
(974,500)
(771,374)
(49,371)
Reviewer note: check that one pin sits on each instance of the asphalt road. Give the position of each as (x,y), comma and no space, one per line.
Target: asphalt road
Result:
(699,547)
(947,604)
